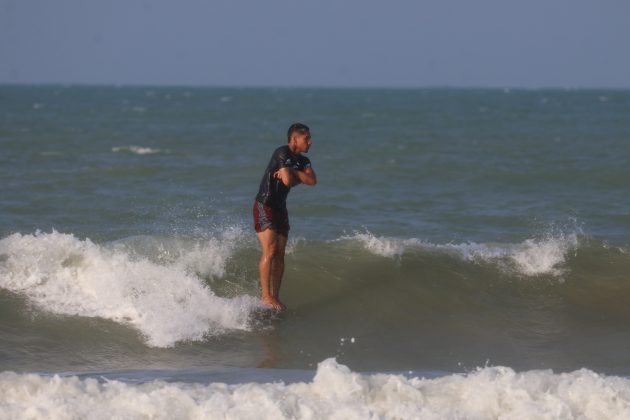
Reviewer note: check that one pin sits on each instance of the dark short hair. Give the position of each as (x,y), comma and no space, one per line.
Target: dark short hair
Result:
(297,128)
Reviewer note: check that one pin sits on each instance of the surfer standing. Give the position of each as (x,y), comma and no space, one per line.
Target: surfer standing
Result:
(286,169)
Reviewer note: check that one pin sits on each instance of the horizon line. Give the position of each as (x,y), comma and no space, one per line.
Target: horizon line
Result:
(330,87)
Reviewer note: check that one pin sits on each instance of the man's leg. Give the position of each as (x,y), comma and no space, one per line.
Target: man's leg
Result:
(277,268)
(269,245)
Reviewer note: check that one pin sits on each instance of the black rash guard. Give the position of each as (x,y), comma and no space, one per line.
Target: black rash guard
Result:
(273,192)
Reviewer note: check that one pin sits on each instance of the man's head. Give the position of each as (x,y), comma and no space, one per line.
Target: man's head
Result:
(299,137)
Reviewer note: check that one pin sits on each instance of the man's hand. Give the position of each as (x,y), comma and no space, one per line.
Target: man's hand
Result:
(287,177)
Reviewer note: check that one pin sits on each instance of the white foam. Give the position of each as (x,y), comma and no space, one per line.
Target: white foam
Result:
(531,257)
(138,150)
(385,247)
(335,393)
(165,301)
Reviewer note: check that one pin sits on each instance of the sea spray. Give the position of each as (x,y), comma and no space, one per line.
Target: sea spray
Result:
(206,255)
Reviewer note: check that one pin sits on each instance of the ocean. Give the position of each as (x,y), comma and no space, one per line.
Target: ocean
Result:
(465,254)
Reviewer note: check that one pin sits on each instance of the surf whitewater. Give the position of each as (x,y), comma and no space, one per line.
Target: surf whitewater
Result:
(176,289)
(334,392)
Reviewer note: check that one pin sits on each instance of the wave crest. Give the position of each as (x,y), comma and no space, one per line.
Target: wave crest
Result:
(531,257)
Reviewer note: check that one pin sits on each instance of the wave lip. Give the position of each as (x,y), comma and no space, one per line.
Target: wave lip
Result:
(335,392)
(532,257)
(165,302)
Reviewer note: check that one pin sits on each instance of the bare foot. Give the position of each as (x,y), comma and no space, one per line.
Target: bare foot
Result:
(282,305)
(275,304)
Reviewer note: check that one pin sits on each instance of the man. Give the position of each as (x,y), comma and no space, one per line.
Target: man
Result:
(287,168)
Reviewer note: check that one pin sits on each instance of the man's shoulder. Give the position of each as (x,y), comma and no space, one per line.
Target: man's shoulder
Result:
(283,156)
(282,150)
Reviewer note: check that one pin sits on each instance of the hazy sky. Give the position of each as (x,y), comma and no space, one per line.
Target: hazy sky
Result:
(504,43)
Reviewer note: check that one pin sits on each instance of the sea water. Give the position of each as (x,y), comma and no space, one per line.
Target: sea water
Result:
(465,254)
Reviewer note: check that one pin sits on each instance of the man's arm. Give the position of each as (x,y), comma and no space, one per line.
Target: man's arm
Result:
(307,176)
(292,177)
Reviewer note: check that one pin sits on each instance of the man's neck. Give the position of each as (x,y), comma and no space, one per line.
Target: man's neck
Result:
(292,148)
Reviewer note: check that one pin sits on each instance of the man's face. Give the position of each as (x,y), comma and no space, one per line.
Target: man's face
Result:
(303,141)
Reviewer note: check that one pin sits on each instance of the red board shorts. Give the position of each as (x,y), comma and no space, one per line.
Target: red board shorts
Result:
(266,217)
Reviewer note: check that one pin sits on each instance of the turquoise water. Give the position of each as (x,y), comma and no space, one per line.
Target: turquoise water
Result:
(449,229)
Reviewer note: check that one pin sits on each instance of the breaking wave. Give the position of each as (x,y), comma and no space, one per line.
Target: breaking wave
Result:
(175,289)
(532,257)
(164,300)
(335,392)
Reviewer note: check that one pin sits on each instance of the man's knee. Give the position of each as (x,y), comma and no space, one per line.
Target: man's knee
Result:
(272,251)
(275,252)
